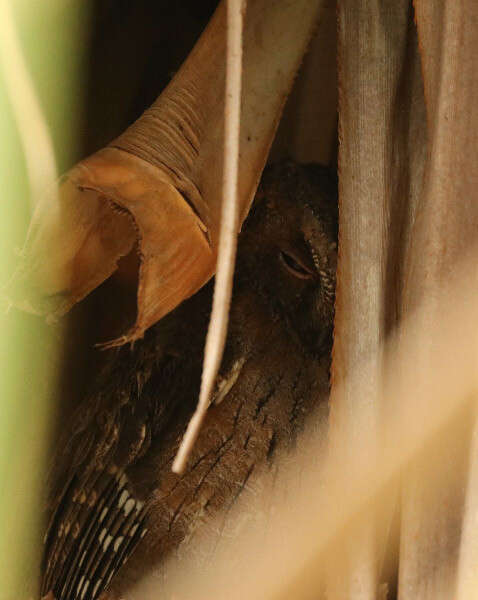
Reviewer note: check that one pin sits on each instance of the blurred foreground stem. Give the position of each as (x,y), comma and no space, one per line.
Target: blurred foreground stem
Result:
(49,36)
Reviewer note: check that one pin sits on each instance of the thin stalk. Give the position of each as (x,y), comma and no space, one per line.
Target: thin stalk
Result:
(216,335)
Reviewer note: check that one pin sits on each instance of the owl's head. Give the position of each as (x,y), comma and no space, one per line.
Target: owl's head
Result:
(288,249)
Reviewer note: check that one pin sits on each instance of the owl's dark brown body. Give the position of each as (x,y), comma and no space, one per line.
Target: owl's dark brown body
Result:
(114,497)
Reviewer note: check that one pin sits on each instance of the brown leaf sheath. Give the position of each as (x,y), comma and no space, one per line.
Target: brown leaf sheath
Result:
(165,175)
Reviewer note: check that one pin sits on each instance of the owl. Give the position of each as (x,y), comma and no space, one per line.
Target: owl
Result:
(115,508)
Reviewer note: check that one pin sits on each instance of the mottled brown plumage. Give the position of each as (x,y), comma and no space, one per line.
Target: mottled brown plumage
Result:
(114,499)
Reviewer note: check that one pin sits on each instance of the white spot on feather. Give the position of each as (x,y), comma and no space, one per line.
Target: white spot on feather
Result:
(107,542)
(82,558)
(84,590)
(97,585)
(225,383)
(80,585)
(118,543)
(122,499)
(122,480)
(128,507)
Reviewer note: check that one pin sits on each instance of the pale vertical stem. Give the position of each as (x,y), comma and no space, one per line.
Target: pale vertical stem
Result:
(443,232)
(33,130)
(467,580)
(216,335)
(376,90)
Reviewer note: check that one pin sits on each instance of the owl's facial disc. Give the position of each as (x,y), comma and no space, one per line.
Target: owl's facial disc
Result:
(288,251)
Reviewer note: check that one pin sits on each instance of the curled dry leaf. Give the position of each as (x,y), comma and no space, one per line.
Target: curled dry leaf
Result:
(159,184)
